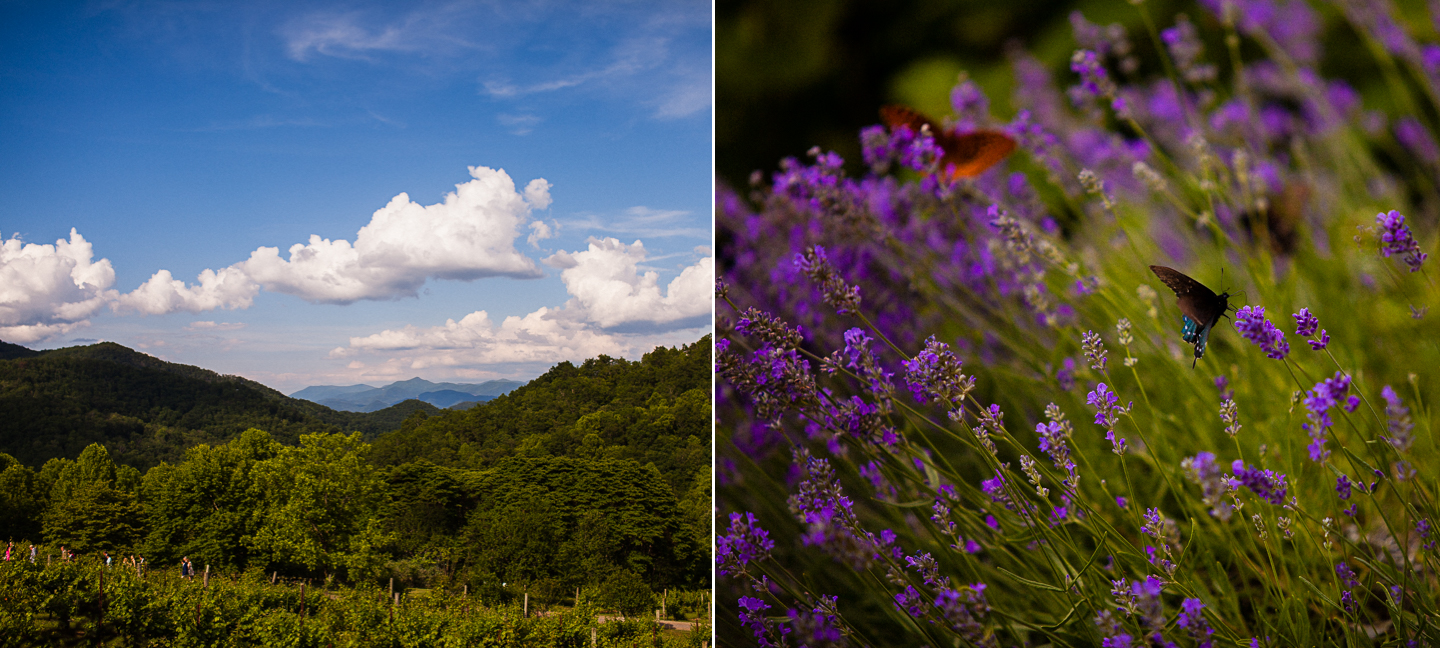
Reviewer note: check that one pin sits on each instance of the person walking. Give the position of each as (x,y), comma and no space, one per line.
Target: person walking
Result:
(32,554)
(9,548)
(107,558)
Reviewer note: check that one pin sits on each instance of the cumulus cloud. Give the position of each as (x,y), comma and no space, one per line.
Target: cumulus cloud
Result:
(230,288)
(609,290)
(539,231)
(476,339)
(468,236)
(615,310)
(48,290)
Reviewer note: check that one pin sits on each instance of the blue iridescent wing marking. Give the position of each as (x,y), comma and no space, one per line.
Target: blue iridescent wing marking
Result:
(1200,307)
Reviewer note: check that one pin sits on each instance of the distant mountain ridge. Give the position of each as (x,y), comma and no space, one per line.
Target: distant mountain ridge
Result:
(364,398)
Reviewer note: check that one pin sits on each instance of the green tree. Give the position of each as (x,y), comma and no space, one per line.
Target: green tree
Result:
(626,592)
(21,501)
(93,505)
(321,505)
(208,506)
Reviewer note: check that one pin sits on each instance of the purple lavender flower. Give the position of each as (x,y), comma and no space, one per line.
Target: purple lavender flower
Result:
(1066,374)
(1305,325)
(1423,528)
(1222,383)
(995,488)
(1267,484)
(1397,420)
(1121,640)
(1375,17)
(1395,238)
(1094,350)
(1107,413)
(1052,442)
(1093,78)
(1253,326)
(1147,602)
(970,104)
(818,627)
(1203,470)
(1185,48)
(1347,575)
(813,262)
(934,373)
(745,543)
(1323,396)
(827,514)
(964,609)
(1415,137)
(909,601)
(752,616)
(1342,487)
(1193,620)
(1230,416)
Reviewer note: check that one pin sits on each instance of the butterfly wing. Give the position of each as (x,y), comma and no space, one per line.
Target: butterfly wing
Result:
(1200,307)
(975,152)
(966,155)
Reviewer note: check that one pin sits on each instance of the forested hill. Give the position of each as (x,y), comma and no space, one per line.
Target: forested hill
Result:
(145,410)
(654,411)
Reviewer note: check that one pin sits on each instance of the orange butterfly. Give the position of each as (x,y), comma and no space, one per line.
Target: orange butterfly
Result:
(966,154)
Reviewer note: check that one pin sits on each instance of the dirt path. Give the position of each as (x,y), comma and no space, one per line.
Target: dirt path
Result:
(683,626)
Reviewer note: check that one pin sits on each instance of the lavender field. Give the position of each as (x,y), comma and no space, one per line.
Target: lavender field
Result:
(961,412)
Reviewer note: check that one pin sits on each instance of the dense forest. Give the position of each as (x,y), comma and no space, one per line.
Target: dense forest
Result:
(588,476)
(145,410)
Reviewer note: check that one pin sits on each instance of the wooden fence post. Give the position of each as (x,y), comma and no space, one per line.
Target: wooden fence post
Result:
(392,585)
(272,577)
(577,597)
(592,637)
(526,612)
(206,578)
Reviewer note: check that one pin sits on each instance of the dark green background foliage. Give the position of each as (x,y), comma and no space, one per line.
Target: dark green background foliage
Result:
(144,410)
(588,474)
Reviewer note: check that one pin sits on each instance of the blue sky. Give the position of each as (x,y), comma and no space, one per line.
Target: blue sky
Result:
(328,193)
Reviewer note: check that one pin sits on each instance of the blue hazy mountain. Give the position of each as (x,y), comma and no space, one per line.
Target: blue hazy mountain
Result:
(364,398)
(321,392)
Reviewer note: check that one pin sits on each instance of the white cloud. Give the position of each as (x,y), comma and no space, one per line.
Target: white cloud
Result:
(342,35)
(519,124)
(539,231)
(644,221)
(48,290)
(475,339)
(609,291)
(615,310)
(230,288)
(469,236)
(214,326)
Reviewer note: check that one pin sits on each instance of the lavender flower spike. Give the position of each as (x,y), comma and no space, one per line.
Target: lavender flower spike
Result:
(1268,484)
(1395,238)
(745,543)
(1253,326)
(1305,325)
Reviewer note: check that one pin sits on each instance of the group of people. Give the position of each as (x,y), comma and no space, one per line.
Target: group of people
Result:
(67,555)
(10,552)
